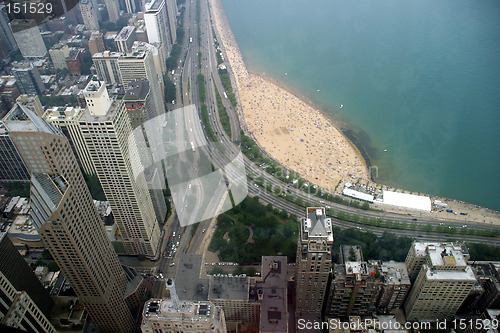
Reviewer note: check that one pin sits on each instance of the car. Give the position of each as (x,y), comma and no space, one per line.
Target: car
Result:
(172,264)
(464,226)
(204,230)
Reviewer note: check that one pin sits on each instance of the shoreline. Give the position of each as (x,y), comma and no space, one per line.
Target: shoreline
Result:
(349,133)
(243,78)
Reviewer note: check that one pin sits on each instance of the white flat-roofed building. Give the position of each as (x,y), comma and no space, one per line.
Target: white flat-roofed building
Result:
(405,200)
(357,195)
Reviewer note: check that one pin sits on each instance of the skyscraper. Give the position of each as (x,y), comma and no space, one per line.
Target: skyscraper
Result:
(28,38)
(96,43)
(28,79)
(107,133)
(125,39)
(66,119)
(113,9)
(32,102)
(140,108)
(18,310)
(89,14)
(156,18)
(443,282)
(65,216)
(106,66)
(139,63)
(314,259)
(21,276)
(7,40)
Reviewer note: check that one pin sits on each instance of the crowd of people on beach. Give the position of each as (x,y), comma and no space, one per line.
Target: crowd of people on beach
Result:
(294,133)
(291,131)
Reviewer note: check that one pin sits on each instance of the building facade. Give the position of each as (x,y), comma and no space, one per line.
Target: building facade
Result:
(314,259)
(442,284)
(17,309)
(64,214)
(96,43)
(28,79)
(89,14)
(108,136)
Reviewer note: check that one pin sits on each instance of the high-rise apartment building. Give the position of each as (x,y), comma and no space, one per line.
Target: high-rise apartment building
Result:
(442,284)
(28,79)
(106,65)
(139,63)
(108,136)
(17,309)
(96,43)
(28,38)
(173,315)
(417,256)
(113,8)
(354,286)
(66,119)
(58,54)
(140,108)
(89,14)
(64,214)
(314,259)
(394,287)
(125,39)
(156,17)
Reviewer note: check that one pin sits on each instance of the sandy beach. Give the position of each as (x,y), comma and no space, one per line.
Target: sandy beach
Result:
(301,138)
(294,133)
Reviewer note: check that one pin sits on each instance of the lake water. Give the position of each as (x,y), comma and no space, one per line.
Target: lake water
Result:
(418,78)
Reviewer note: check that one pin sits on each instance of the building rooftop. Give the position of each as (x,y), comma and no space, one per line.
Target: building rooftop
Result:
(137,89)
(188,310)
(191,286)
(125,33)
(229,287)
(62,113)
(446,255)
(316,224)
(445,275)
(351,253)
(272,291)
(395,273)
(22,119)
(154,5)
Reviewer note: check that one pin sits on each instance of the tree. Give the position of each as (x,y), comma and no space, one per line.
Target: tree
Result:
(53,267)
